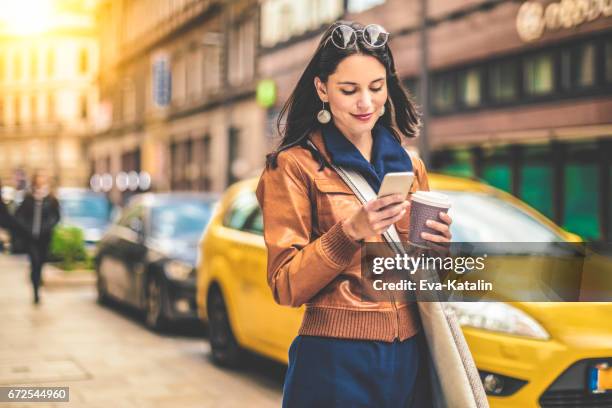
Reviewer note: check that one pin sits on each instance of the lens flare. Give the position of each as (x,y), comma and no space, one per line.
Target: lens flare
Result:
(26,17)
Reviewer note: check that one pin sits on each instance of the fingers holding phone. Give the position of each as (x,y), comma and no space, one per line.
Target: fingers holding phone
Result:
(376,216)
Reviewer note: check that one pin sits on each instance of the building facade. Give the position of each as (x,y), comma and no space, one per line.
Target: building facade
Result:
(519,93)
(178,93)
(48,94)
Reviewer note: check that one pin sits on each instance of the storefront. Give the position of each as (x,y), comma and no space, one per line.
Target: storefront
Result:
(535,120)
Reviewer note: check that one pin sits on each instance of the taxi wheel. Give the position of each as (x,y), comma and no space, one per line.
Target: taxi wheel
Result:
(154,309)
(225,349)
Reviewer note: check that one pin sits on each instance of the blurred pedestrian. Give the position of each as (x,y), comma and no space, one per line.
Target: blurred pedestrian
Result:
(38,214)
(8,221)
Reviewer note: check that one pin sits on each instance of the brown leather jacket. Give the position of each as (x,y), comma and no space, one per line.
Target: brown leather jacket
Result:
(312,261)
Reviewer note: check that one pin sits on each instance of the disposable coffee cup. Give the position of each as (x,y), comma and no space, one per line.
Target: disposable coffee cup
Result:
(426,205)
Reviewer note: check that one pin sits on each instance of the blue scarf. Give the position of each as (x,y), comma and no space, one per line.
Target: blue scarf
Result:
(388,155)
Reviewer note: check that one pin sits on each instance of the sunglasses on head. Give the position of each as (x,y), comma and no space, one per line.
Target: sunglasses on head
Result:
(345,36)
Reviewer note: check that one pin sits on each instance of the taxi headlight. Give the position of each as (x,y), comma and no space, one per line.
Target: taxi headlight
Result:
(498,317)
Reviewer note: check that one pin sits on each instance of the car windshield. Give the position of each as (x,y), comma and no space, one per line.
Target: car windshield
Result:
(481,217)
(180,219)
(85,206)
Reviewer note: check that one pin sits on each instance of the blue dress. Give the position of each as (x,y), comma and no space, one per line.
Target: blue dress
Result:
(340,373)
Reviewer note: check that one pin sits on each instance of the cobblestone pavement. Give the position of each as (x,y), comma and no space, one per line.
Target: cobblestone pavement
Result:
(109,359)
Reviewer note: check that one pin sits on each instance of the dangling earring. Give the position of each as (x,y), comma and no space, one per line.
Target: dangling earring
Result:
(323,116)
(382,111)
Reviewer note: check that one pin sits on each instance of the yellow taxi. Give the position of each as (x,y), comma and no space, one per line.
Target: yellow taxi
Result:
(528,354)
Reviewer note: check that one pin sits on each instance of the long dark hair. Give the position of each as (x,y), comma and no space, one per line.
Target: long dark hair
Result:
(300,110)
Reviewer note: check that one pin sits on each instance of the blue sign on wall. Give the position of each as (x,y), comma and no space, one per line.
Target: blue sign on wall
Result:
(162,81)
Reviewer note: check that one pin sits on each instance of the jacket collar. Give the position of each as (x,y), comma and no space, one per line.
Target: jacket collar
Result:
(316,138)
(388,155)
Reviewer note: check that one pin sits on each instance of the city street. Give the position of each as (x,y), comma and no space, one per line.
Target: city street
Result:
(108,358)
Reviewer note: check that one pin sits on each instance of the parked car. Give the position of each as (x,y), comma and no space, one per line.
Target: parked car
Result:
(147,258)
(88,210)
(528,354)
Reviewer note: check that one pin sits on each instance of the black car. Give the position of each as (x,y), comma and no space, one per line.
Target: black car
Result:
(147,257)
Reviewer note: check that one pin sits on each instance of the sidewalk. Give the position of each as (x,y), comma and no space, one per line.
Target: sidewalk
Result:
(107,357)
(54,277)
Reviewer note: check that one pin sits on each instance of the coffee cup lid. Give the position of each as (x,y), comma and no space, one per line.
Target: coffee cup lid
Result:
(432,198)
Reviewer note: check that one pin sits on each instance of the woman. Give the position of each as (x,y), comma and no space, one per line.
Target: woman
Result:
(38,214)
(350,104)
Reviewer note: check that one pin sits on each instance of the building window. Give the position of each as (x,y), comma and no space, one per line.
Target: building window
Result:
(128,101)
(50,107)
(578,67)
(456,162)
(33,109)
(83,61)
(180,162)
(581,200)
(233,149)
(205,163)
(469,87)
(194,74)
(242,53)
(17,110)
(502,81)
(50,63)
(538,74)
(496,168)
(83,107)
(130,161)
(537,179)
(191,169)
(608,59)
(17,66)
(174,168)
(161,81)
(357,6)
(581,195)
(33,64)
(585,65)
(286,24)
(178,80)
(283,19)
(211,61)
(566,69)
(443,91)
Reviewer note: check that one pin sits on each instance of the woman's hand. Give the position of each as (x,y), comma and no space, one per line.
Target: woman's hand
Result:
(375,217)
(442,227)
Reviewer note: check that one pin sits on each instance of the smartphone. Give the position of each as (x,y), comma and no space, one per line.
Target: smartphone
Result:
(396,183)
